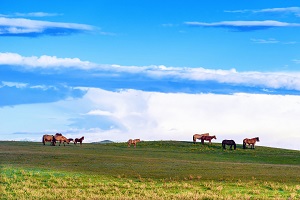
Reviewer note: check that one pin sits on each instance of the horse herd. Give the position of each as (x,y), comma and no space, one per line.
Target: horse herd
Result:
(206,137)
(58,137)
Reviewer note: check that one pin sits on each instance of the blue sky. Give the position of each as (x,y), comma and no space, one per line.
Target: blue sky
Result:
(150,69)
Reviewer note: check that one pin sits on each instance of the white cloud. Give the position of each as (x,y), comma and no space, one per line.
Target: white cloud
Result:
(164,116)
(33,28)
(292,10)
(265,23)
(99,112)
(244,26)
(43,61)
(31,14)
(36,14)
(14,84)
(265,41)
(276,80)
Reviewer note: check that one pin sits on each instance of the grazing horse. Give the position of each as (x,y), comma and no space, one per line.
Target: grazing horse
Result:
(49,138)
(199,136)
(229,142)
(207,138)
(131,141)
(79,140)
(71,139)
(60,138)
(250,142)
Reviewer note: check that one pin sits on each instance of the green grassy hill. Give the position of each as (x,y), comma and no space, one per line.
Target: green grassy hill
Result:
(261,173)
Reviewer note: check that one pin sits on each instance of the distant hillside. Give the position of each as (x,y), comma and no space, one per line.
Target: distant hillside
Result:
(103,142)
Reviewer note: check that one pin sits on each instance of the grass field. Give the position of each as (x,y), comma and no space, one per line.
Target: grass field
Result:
(154,170)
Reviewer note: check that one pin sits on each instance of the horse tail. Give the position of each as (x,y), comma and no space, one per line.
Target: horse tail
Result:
(234,146)
(194,139)
(43,139)
(223,144)
(244,144)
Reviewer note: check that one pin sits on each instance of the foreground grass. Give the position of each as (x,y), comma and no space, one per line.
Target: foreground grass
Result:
(37,184)
(154,170)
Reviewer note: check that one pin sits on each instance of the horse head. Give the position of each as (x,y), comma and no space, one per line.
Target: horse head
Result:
(257,139)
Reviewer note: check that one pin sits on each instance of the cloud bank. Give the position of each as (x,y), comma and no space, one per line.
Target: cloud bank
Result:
(118,116)
(150,78)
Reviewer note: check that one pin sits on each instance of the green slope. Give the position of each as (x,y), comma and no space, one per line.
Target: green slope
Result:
(157,160)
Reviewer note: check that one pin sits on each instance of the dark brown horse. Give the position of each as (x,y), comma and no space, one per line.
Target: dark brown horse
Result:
(79,140)
(71,139)
(60,138)
(207,138)
(250,142)
(199,136)
(131,141)
(49,138)
(229,142)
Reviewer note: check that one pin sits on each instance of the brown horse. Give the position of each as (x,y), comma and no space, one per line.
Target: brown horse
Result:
(49,138)
(199,136)
(131,141)
(60,138)
(207,138)
(79,140)
(250,142)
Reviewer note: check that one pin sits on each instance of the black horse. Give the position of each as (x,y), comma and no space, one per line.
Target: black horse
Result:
(229,142)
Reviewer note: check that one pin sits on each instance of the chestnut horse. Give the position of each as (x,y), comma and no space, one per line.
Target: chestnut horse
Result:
(229,142)
(199,136)
(60,138)
(250,142)
(131,141)
(79,140)
(207,138)
(49,138)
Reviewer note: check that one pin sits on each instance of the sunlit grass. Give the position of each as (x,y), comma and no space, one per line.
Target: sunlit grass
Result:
(37,184)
